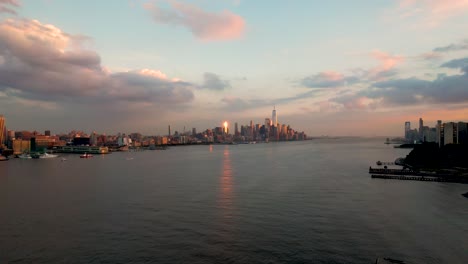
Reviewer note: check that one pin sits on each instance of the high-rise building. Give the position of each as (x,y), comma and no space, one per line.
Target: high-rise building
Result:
(236,129)
(10,136)
(274,117)
(439,132)
(93,139)
(2,131)
(47,132)
(169,128)
(407,130)
(462,133)
(450,133)
(421,129)
(267,123)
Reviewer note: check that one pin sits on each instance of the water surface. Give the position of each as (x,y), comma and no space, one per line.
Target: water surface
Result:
(294,202)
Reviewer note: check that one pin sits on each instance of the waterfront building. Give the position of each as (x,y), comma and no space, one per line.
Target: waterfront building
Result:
(20,146)
(47,132)
(10,136)
(42,142)
(93,139)
(2,133)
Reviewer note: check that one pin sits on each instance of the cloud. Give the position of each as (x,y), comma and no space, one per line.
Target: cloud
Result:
(461,64)
(387,65)
(204,25)
(434,55)
(385,69)
(7,6)
(327,79)
(41,62)
(432,12)
(237,104)
(414,91)
(463,45)
(213,82)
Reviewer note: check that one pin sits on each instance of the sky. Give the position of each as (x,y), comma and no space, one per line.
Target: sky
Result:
(336,68)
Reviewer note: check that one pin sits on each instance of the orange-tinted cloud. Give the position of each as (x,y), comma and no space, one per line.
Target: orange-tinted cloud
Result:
(327,79)
(387,64)
(209,26)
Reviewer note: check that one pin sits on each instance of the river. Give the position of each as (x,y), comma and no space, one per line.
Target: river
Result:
(291,202)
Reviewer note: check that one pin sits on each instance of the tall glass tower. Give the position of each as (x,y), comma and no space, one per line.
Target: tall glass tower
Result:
(407,130)
(274,117)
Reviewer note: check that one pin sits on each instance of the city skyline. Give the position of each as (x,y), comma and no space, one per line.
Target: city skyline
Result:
(334,68)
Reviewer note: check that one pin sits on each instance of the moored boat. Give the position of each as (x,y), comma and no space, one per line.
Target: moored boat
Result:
(3,158)
(47,156)
(25,156)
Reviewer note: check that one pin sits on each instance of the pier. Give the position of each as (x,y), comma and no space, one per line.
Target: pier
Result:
(412,175)
(410,178)
(404,172)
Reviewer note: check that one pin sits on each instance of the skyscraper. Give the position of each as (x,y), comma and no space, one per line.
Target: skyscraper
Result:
(450,133)
(2,131)
(421,129)
(236,129)
(407,130)
(439,132)
(274,117)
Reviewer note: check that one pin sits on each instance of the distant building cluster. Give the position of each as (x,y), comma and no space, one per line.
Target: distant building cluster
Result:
(26,141)
(270,130)
(442,133)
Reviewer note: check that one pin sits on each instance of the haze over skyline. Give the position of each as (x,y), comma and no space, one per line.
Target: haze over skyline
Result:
(358,68)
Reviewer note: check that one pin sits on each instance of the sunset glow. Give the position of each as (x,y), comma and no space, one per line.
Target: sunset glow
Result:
(190,63)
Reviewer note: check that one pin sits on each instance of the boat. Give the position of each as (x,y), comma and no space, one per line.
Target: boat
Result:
(47,156)
(86,155)
(35,155)
(63,159)
(25,156)
(3,158)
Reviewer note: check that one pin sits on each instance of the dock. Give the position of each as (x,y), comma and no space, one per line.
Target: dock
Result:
(410,178)
(404,172)
(412,175)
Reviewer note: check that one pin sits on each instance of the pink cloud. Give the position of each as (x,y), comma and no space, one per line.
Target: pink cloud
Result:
(387,64)
(332,76)
(205,25)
